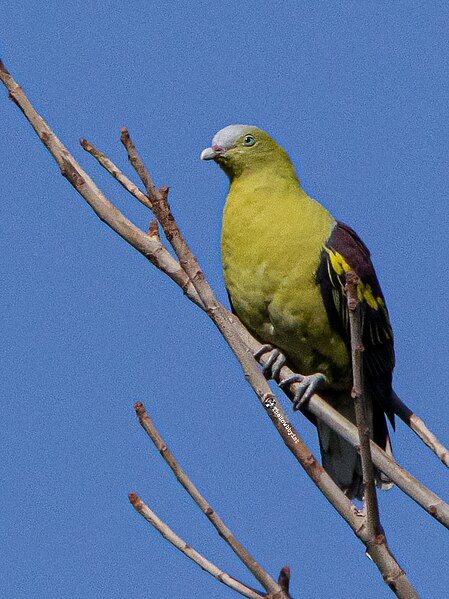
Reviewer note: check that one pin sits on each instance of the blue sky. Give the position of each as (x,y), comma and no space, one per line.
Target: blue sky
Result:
(357,92)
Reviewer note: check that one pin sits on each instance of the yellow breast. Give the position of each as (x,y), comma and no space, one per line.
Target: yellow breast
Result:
(272,239)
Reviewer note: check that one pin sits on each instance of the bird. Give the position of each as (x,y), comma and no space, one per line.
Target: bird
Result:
(284,260)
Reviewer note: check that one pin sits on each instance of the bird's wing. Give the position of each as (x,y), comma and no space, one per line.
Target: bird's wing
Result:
(344,251)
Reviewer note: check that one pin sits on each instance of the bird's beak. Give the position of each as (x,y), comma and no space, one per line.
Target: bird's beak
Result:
(211,153)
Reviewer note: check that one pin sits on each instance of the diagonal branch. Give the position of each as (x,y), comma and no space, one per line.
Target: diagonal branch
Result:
(412,487)
(319,408)
(420,429)
(191,553)
(256,569)
(150,247)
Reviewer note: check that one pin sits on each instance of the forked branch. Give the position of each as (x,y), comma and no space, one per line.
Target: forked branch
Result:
(191,553)
(379,552)
(256,569)
(187,274)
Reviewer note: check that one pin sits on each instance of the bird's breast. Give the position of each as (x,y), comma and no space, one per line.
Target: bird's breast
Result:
(270,252)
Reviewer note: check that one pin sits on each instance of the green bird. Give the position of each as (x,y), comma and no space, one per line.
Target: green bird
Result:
(284,262)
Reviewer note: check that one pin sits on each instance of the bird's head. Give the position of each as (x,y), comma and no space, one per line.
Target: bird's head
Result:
(242,148)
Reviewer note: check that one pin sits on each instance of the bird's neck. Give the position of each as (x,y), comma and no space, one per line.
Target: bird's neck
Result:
(275,185)
(274,195)
(275,168)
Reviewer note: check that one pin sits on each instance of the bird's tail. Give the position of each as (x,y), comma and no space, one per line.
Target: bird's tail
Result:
(340,459)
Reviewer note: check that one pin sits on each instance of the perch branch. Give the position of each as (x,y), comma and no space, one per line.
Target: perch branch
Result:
(412,487)
(155,252)
(196,557)
(358,392)
(269,584)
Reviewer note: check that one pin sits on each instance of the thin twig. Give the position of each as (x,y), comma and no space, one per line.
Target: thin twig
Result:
(191,553)
(419,428)
(144,175)
(284,579)
(116,173)
(269,584)
(358,392)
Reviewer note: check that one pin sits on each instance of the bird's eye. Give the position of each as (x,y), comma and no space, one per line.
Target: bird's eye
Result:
(249,140)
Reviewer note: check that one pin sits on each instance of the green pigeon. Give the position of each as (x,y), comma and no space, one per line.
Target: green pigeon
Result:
(284,263)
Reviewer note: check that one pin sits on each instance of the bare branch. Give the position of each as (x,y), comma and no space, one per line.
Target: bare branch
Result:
(412,487)
(380,553)
(200,293)
(419,428)
(269,584)
(149,247)
(319,408)
(138,165)
(116,173)
(358,392)
(200,560)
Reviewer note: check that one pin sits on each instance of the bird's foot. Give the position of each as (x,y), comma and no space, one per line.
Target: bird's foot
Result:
(273,365)
(308,384)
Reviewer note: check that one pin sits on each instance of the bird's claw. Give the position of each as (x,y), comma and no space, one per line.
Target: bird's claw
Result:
(272,367)
(308,384)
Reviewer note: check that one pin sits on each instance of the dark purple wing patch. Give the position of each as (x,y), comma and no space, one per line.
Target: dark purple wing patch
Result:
(344,250)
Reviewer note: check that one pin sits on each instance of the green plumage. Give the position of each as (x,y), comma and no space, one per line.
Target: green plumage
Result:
(275,268)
